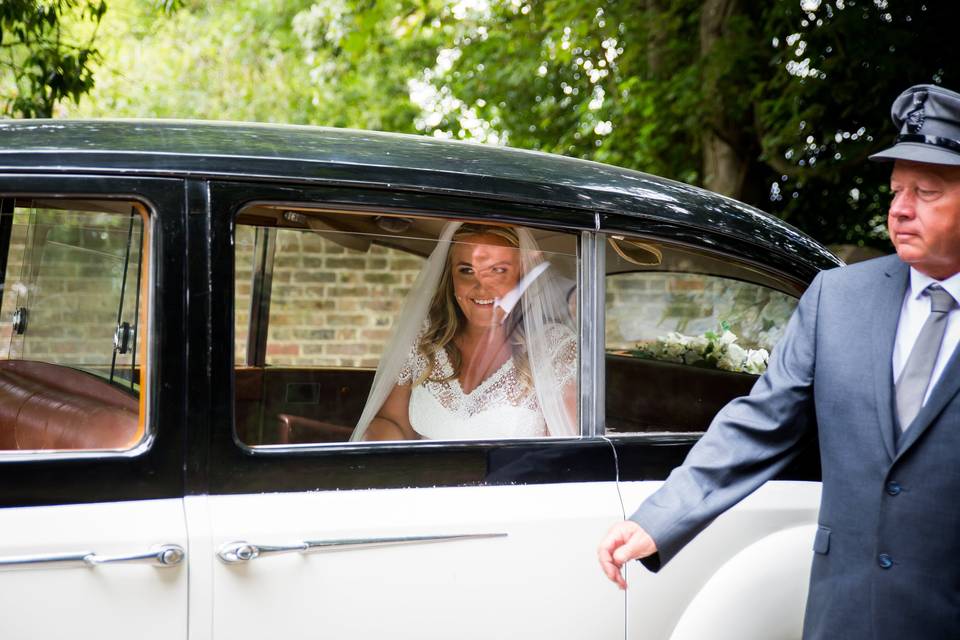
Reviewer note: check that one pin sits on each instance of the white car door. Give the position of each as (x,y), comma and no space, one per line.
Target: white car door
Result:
(426,562)
(686,333)
(93,537)
(108,570)
(302,534)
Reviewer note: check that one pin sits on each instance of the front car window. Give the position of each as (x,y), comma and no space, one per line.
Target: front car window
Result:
(367,328)
(72,324)
(686,331)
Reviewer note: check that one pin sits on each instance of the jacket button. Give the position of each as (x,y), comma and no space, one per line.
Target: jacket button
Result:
(893,488)
(885,561)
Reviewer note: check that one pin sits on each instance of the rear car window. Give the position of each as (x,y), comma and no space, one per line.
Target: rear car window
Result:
(73,324)
(686,332)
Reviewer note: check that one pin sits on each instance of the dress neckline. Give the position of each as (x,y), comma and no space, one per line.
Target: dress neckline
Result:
(447,369)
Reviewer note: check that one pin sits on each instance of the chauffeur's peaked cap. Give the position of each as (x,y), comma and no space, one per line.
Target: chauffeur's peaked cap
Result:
(928,118)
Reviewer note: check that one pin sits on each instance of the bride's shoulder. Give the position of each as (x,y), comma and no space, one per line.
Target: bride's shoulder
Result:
(560,333)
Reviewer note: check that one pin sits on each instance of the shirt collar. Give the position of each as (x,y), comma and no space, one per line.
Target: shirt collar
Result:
(920,281)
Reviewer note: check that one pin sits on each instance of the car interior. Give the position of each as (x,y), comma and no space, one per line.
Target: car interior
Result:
(73,295)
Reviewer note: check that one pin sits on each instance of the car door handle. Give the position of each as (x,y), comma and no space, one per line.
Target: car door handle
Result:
(242,551)
(167,555)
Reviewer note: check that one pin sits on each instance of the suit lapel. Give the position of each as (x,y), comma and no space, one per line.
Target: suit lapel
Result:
(946,387)
(889,301)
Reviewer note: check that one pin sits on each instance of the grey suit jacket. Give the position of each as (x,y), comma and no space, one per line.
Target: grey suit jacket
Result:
(887,549)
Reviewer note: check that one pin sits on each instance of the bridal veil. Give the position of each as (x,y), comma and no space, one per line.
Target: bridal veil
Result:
(536,306)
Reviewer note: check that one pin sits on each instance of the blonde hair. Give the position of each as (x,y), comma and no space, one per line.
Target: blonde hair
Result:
(445,319)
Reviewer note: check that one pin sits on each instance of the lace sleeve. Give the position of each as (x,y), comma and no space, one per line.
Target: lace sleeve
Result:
(416,362)
(563,354)
(413,366)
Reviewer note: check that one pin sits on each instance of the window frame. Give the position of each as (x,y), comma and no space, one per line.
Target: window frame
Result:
(258,330)
(151,469)
(747,255)
(148,214)
(231,468)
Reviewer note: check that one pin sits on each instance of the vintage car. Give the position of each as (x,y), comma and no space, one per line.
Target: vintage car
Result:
(191,318)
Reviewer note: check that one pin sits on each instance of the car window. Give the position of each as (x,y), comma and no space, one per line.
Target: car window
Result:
(686,331)
(326,302)
(72,325)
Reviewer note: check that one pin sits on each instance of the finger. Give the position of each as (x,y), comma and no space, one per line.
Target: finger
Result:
(621,580)
(637,546)
(611,568)
(614,574)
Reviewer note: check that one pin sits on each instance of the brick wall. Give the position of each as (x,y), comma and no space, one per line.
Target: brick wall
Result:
(330,305)
(73,295)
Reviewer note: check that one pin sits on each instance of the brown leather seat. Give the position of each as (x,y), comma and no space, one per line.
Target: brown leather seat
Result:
(297,429)
(48,406)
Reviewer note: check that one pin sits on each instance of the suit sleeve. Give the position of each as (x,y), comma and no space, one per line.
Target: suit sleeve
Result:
(749,441)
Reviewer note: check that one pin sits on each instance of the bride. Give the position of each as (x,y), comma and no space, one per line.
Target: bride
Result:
(484,347)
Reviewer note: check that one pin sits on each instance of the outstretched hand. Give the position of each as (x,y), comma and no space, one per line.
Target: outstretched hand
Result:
(624,542)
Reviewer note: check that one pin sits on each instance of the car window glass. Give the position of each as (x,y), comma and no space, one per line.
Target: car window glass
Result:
(686,331)
(326,302)
(72,325)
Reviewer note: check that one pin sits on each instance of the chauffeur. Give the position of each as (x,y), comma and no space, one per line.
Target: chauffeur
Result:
(870,360)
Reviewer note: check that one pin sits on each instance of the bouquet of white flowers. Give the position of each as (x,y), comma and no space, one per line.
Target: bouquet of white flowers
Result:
(712,350)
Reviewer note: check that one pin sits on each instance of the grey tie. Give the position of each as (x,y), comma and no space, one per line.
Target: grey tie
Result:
(915,378)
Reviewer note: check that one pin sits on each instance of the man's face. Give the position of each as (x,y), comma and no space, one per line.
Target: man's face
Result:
(924,217)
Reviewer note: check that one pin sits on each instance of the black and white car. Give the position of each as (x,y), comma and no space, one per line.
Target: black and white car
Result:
(191,317)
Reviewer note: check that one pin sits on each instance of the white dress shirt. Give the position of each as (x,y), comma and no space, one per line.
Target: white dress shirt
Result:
(913,313)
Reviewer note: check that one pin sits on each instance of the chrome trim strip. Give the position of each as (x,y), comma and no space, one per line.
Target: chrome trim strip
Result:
(592,338)
(240,551)
(167,555)
(584,313)
(599,352)
(45,559)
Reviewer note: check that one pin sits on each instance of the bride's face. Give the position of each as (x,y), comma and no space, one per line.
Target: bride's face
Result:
(485,267)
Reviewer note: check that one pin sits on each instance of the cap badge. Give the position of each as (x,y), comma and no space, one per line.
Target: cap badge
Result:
(916,116)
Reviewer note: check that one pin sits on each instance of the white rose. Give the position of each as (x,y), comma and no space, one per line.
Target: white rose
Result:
(733,358)
(699,344)
(728,337)
(756,361)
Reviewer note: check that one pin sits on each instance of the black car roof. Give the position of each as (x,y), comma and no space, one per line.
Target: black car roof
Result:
(344,156)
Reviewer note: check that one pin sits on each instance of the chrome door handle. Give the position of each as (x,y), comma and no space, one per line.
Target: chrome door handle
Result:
(167,555)
(242,551)
(236,552)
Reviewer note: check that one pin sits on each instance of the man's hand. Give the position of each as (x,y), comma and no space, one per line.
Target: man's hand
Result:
(625,541)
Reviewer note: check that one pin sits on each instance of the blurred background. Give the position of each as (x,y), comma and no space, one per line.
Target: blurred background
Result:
(776,103)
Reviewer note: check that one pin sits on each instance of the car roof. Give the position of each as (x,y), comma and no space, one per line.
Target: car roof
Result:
(378,159)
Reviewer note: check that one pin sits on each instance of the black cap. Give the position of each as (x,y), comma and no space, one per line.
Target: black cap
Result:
(928,118)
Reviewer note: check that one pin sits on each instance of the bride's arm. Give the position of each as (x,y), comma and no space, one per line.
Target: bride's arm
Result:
(392,422)
(571,395)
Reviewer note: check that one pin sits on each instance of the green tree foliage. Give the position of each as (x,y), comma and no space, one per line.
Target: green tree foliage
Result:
(292,61)
(42,60)
(776,103)
(227,60)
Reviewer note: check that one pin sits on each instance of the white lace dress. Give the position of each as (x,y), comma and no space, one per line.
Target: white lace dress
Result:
(502,406)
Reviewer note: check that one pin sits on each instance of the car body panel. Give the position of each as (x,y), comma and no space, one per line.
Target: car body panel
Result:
(515,582)
(113,601)
(775,507)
